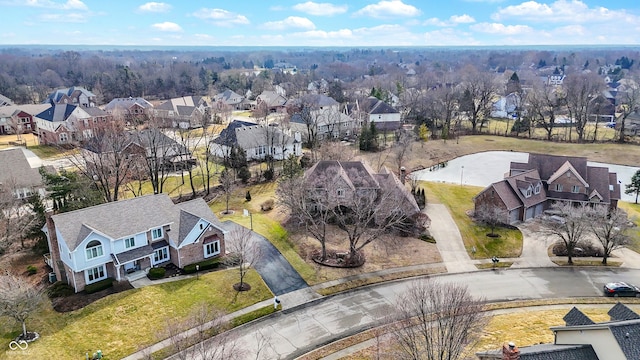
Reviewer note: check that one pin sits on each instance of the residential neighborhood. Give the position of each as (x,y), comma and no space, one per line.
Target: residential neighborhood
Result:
(292,190)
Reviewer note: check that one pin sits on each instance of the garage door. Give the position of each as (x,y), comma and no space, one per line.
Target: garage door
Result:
(539,209)
(529,213)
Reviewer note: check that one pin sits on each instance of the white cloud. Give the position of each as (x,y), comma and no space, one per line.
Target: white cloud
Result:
(388,8)
(221,17)
(448,37)
(155,7)
(290,22)
(462,19)
(453,21)
(501,29)
(320,9)
(321,34)
(167,26)
(569,11)
(64,18)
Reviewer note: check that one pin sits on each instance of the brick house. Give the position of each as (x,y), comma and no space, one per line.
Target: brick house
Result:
(20,119)
(530,188)
(75,95)
(123,240)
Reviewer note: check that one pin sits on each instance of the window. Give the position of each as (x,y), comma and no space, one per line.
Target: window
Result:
(558,187)
(63,137)
(340,192)
(129,242)
(94,249)
(156,234)
(95,274)
(528,192)
(536,190)
(160,255)
(575,189)
(211,249)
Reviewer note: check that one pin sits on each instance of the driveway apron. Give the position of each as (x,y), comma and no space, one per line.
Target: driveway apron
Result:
(274,269)
(448,239)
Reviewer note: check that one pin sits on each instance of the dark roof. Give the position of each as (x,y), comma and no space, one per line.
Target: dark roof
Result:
(620,312)
(228,135)
(131,255)
(628,337)
(316,101)
(549,352)
(548,164)
(57,112)
(95,111)
(377,106)
(576,317)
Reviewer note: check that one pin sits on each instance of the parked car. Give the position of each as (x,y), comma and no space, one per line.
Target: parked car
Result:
(616,289)
(611,124)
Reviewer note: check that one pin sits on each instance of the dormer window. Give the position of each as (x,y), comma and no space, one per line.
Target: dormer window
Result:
(528,194)
(94,249)
(156,234)
(340,192)
(536,190)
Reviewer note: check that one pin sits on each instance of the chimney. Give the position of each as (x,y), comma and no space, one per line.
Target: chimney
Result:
(510,352)
(52,241)
(403,174)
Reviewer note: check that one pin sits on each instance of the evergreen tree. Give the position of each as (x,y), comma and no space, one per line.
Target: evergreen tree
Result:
(633,188)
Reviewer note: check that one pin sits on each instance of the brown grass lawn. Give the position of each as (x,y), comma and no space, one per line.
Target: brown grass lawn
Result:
(633,210)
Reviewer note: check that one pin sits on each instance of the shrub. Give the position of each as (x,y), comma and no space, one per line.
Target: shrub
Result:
(244,174)
(581,249)
(268,174)
(267,205)
(32,269)
(428,238)
(248,196)
(98,286)
(204,265)
(157,273)
(60,289)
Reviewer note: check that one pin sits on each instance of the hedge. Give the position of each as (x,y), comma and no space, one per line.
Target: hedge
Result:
(60,289)
(97,286)
(157,273)
(204,265)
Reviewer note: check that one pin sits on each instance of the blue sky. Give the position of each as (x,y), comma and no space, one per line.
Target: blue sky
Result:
(321,23)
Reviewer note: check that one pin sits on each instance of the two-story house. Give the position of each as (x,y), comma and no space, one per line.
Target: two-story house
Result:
(257,140)
(374,110)
(530,188)
(185,112)
(117,239)
(74,95)
(63,124)
(20,119)
(132,110)
(321,115)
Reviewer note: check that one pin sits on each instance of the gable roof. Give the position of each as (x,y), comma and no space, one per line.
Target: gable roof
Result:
(5,101)
(133,216)
(271,98)
(576,317)
(58,94)
(249,135)
(127,103)
(62,112)
(229,97)
(376,106)
(17,171)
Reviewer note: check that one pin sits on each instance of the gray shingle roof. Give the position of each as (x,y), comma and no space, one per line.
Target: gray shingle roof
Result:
(16,170)
(621,312)
(576,317)
(248,135)
(628,337)
(128,217)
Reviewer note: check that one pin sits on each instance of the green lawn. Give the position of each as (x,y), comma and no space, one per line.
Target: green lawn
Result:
(122,323)
(459,200)
(633,210)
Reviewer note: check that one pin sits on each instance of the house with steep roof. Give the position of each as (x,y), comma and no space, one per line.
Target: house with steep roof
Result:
(583,339)
(376,111)
(347,178)
(63,124)
(132,110)
(257,140)
(272,101)
(231,100)
(19,175)
(185,112)
(530,188)
(321,115)
(20,119)
(124,239)
(74,95)
(5,101)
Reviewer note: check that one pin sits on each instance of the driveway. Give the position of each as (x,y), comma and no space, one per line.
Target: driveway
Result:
(448,239)
(277,273)
(534,247)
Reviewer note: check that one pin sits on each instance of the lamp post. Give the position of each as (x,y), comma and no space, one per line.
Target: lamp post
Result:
(461,174)
(251,220)
(197,272)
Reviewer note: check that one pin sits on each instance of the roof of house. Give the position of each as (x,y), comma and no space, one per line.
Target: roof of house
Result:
(376,106)
(183,105)
(271,98)
(249,135)
(549,352)
(31,109)
(16,170)
(133,216)
(127,103)
(62,112)
(59,93)
(229,97)
(316,101)
(95,111)
(5,101)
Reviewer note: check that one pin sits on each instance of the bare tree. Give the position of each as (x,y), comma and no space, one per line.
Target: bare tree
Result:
(491,215)
(18,300)
(17,216)
(307,208)
(244,251)
(332,151)
(543,104)
(436,321)
(189,142)
(105,160)
(206,139)
(569,226)
(227,182)
(402,149)
(581,89)
(610,227)
(629,102)
(158,149)
(477,91)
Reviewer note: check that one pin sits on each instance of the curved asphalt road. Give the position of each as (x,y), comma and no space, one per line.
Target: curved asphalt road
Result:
(293,332)
(277,273)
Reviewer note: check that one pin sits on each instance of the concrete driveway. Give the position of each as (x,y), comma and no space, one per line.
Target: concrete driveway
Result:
(275,270)
(448,239)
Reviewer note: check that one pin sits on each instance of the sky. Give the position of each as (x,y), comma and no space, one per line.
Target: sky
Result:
(322,23)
